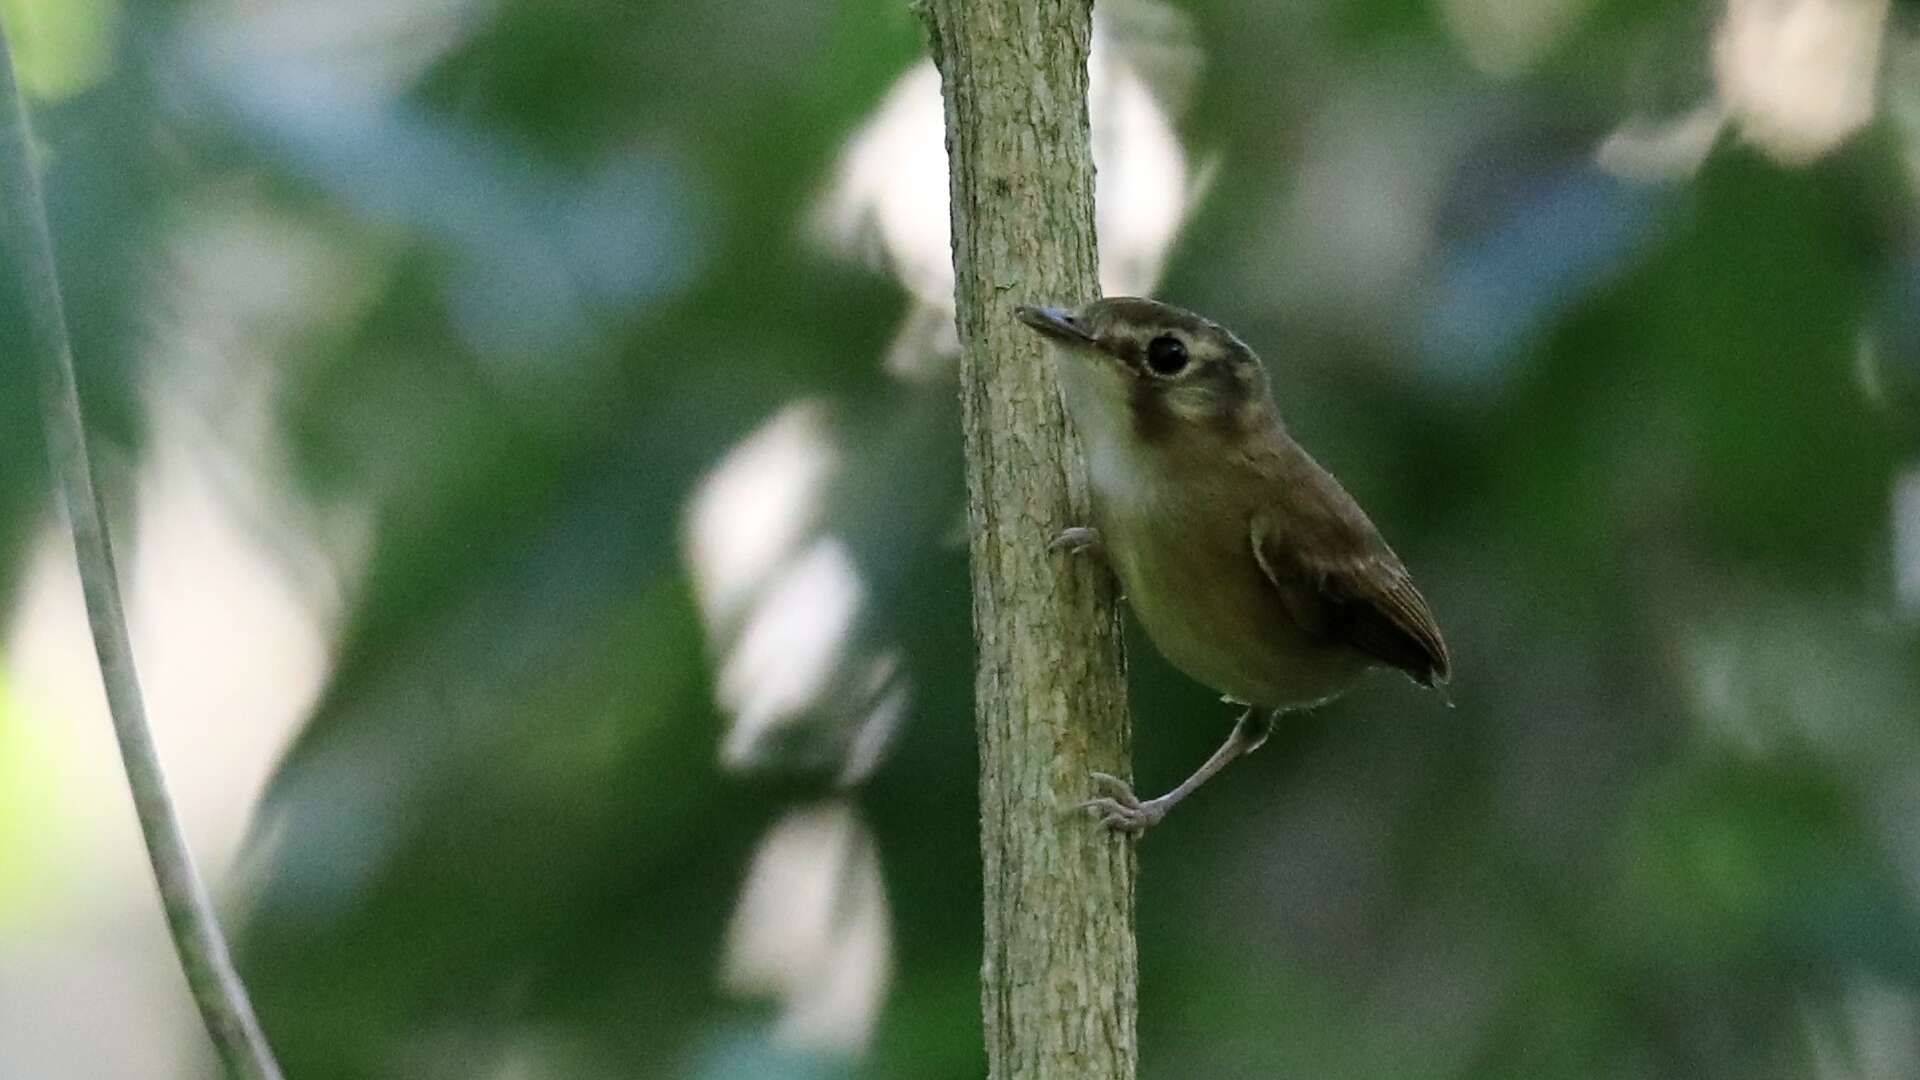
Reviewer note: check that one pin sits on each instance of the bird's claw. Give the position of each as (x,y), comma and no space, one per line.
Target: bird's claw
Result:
(1120,809)
(1075,540)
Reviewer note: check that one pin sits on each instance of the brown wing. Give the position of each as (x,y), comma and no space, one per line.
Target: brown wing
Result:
(1339,581)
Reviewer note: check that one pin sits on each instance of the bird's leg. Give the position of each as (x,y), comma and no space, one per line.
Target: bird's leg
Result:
(1122,810)
(1078,539)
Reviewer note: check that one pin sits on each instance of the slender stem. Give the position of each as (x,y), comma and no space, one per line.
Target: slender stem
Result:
(1060,970)
(28,246)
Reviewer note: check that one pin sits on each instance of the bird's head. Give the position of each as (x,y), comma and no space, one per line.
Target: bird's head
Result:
(1135,365)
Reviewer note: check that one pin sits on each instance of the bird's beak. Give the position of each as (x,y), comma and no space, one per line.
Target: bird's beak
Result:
(1057,323)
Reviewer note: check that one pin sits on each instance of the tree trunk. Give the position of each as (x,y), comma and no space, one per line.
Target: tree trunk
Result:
(1060,971)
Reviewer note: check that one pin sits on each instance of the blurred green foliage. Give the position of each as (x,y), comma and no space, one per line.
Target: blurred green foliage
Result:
(1627,434)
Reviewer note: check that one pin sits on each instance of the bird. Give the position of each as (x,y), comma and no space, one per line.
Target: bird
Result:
(1245,562)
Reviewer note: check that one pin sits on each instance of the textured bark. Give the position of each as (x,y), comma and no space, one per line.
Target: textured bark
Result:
(1060,971)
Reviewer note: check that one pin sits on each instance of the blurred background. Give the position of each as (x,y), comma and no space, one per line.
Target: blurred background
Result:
(531,426)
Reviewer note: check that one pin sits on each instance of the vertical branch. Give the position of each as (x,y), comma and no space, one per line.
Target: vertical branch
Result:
(202,949)
(1060,971)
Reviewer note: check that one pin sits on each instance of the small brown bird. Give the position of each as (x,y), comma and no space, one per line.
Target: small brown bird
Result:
(1247,563)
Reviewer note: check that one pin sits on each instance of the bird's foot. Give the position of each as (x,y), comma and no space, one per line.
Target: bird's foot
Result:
(1076,540)
(1121,810)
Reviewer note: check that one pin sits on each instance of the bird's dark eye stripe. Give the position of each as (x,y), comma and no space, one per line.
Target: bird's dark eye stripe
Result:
(1166,355)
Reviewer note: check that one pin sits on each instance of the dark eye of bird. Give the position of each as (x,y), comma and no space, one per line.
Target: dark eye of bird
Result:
(1166,355)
